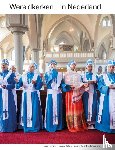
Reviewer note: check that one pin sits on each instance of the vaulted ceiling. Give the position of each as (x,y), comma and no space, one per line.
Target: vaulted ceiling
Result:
(58,28)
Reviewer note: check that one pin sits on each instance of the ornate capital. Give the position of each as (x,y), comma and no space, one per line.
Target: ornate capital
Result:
(17,23)
(21,29)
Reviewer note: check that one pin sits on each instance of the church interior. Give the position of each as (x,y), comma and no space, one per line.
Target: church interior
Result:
(39,37)
(61,37)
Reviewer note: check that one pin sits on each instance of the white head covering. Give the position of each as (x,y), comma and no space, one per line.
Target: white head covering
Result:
(51,62)
(111,63)
(5,61)
(69,64)
(12,66)
(89,62)
(35,66)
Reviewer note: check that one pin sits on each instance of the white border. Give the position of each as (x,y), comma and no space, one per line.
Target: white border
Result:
(107,7)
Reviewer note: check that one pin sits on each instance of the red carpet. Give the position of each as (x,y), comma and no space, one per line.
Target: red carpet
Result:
(60,137)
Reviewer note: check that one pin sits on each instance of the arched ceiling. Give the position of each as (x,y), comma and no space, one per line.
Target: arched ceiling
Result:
(102,32)
(88,21)
(61,23)
(106,42)
(72,30)
(65,38)
(6,37)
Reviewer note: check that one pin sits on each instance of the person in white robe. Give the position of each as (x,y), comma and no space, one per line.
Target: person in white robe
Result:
(8,121)
(106,108)
(90,96)
(31,115)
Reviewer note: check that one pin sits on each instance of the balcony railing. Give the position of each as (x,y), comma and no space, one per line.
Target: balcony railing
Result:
(66,56)
(99,61)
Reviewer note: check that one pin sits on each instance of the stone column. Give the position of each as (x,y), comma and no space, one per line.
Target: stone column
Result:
(18,47)
(42,65)
(18,25)
(112,48)
(35,55)
(42,62)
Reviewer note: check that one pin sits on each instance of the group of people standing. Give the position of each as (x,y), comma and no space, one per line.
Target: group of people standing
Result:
(85,108)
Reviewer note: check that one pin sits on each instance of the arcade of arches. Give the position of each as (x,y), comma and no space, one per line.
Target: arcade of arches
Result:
(24,38)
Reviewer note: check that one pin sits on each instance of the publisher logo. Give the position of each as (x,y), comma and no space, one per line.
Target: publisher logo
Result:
(106,143)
